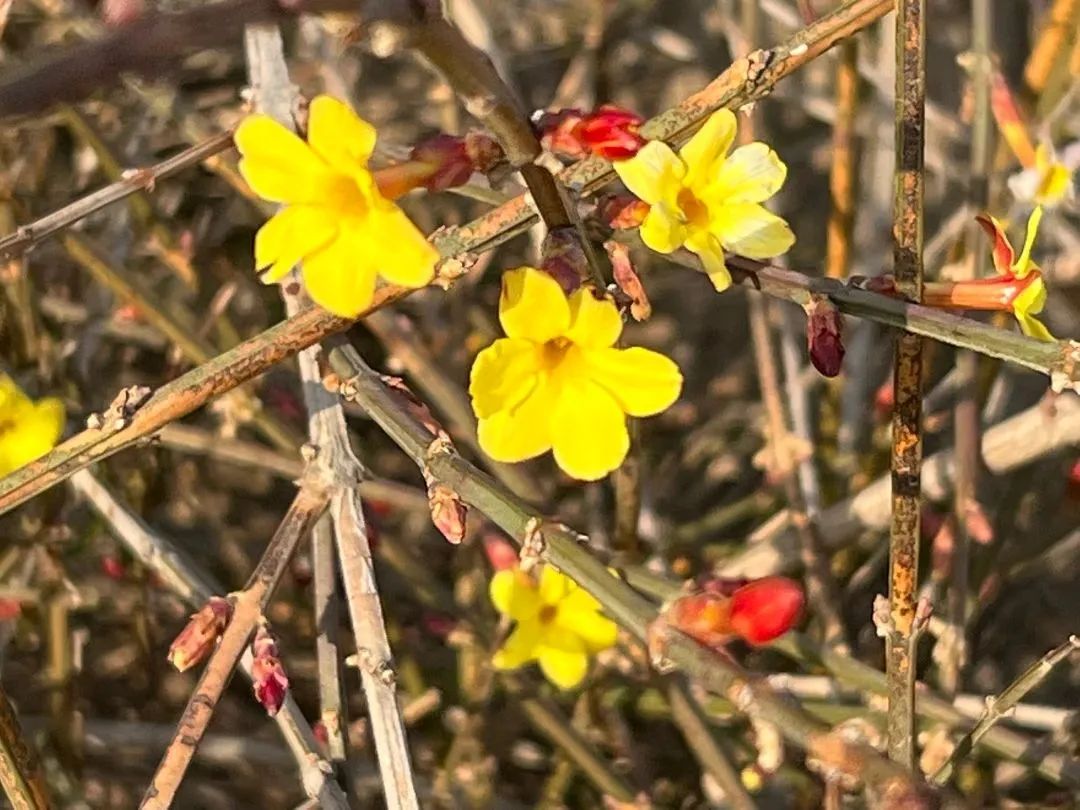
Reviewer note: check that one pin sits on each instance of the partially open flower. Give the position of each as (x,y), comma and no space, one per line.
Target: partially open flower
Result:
(708,201)
(199,637)
(268,678)
(557,382)
(28,429)
(559,624)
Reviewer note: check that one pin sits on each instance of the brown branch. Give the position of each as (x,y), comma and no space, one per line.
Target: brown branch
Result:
(249,605)
(134,181)
(20,772)
(906,456)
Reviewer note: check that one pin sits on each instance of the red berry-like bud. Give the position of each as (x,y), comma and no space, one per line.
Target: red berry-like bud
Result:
(197,639)
(269,681)
(500,552)
(765,609)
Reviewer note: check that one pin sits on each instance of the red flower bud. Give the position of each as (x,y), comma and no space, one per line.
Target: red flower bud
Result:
(269,681)
(705,617)
(824,333)
(621,212)
(9,609)
(610,133)
(201,634)
(765,609)
(113,567)
(500,551)
(440,162)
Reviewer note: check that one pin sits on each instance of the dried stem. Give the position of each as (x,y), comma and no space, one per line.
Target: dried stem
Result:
(194,587)
(821,590)
(20,773)
(566,549)
(1010,445)
(906,459)
(999,707)
(688,715)
(133,181)
(842,172)
(276,95)
(249,605)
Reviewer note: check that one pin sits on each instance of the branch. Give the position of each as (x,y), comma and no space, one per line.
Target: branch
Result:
(567,550)
(249,605)
(194,587)
(20,772)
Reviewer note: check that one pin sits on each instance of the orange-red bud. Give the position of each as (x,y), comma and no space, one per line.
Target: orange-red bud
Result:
(765,609)
(200,635)
(621,212)
(448,511)
(269,681)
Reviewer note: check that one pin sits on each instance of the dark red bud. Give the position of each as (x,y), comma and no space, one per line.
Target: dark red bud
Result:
(269,681)
(824,335)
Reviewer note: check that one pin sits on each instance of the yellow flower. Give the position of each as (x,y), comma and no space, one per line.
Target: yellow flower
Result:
(1048,183)
(335,219)
(708,201)
(28,430)
(556,382)
(559,624)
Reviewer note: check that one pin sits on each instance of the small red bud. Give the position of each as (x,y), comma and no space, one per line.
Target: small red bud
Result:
(765,609)
(500,552)
(269,681)
(9,609)
(824,335)
(621,212)
(610,133)
(201,633)
(113,567)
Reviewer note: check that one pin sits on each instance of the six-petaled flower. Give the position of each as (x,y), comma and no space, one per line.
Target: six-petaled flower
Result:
(336,222)
(559,624)
(707,200)
(557,382)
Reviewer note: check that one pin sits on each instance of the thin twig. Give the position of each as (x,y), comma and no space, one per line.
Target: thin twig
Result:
(842,171)
(20,773)
(194,587)
(249,605)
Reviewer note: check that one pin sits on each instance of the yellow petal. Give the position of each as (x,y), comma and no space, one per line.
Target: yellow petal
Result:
(588,431)
(340,276)
(643,382)
(11,396)
(596,630)
(750,230)
(1055,186)
(653,174)
(563,659)
(709,144)
(341,137)
(594,322)
(1026,305)
(554,585)
(708,249)
(291,234)
(502,376)
(279,166)
(663,229)
(752,174)
(515,594)
(402,254)
(520,648)
(532,305)
(1023,264)
(33,431)
(521,432)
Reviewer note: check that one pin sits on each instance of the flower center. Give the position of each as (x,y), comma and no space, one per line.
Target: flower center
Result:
(554,352)
(548,614)
(695,211)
